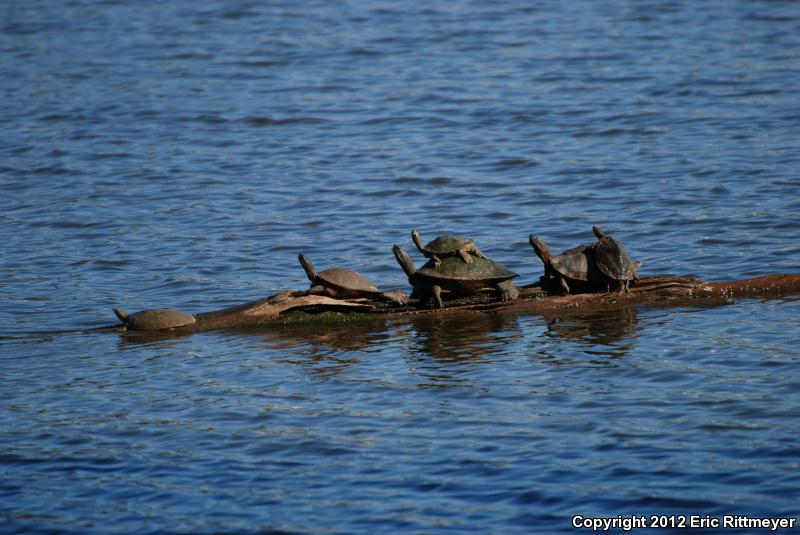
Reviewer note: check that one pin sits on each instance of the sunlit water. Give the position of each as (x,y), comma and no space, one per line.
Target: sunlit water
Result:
(181,154)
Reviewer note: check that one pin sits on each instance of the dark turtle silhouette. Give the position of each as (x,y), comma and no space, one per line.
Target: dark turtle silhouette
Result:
(445,246)
(155,320)
(576,265)
(346,283)
(614,261)
(454,275)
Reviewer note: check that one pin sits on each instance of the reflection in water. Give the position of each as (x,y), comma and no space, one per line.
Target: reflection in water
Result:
(598,327)
(442,348)
(467,337)
(325,350)
(449,350)
(602,337)
(151,338)
(439,348)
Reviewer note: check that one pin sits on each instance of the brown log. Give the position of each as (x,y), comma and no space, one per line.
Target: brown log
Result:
(292,307)
(295,306)
(268,310)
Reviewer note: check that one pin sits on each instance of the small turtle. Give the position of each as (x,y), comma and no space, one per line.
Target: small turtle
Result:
(445,246)
(155,320)
(455,276)
(346,283)
(576,265)
(614,261)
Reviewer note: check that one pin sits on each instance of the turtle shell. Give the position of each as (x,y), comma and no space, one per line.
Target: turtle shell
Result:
(155,320)
(346,278)
(613,259)
(577,263)
(447,244)
(481,270)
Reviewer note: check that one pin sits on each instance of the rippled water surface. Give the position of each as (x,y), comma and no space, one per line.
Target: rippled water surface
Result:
(182,153)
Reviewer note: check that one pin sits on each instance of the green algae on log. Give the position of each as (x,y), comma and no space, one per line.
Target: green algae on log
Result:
(291,307)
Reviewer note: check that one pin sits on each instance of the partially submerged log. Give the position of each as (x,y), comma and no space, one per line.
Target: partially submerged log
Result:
(289,306)
(269,310)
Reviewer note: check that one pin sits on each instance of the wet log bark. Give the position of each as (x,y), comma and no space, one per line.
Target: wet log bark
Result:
(295,307)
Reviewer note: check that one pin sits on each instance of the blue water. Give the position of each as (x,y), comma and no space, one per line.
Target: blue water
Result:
(180,154)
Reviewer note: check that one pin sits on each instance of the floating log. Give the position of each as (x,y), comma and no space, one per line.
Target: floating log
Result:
(290,307)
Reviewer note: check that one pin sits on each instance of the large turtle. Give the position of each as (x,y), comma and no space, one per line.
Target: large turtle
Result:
(614,261)
(346,283)
(576,265)
(155,320)
(454,275)
(445,246)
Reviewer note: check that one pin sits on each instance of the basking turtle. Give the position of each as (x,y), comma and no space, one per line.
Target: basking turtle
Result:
(445,246)
(346,283)
(455,276)
(155,320)
(576,265)
(614,261)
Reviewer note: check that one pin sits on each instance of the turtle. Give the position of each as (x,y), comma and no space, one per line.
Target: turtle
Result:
(576,265)
(346,283)
(454,275)
(614,261)
(159,319)
(445,246)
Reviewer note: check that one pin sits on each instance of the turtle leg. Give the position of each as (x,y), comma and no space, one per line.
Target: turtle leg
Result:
(508,292)
(318,289)
(477,252)
(330,292)
(465,255)
(436,292)
(424,293)
(436,260)
(563,282)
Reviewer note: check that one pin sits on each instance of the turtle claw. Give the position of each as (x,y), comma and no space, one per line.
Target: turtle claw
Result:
(508,292)
(509,296)
(396,296)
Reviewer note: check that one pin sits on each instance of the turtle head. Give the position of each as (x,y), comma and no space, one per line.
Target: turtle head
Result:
(598,232)
(541,249)
(405,261)
(311,273)
(417,239)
